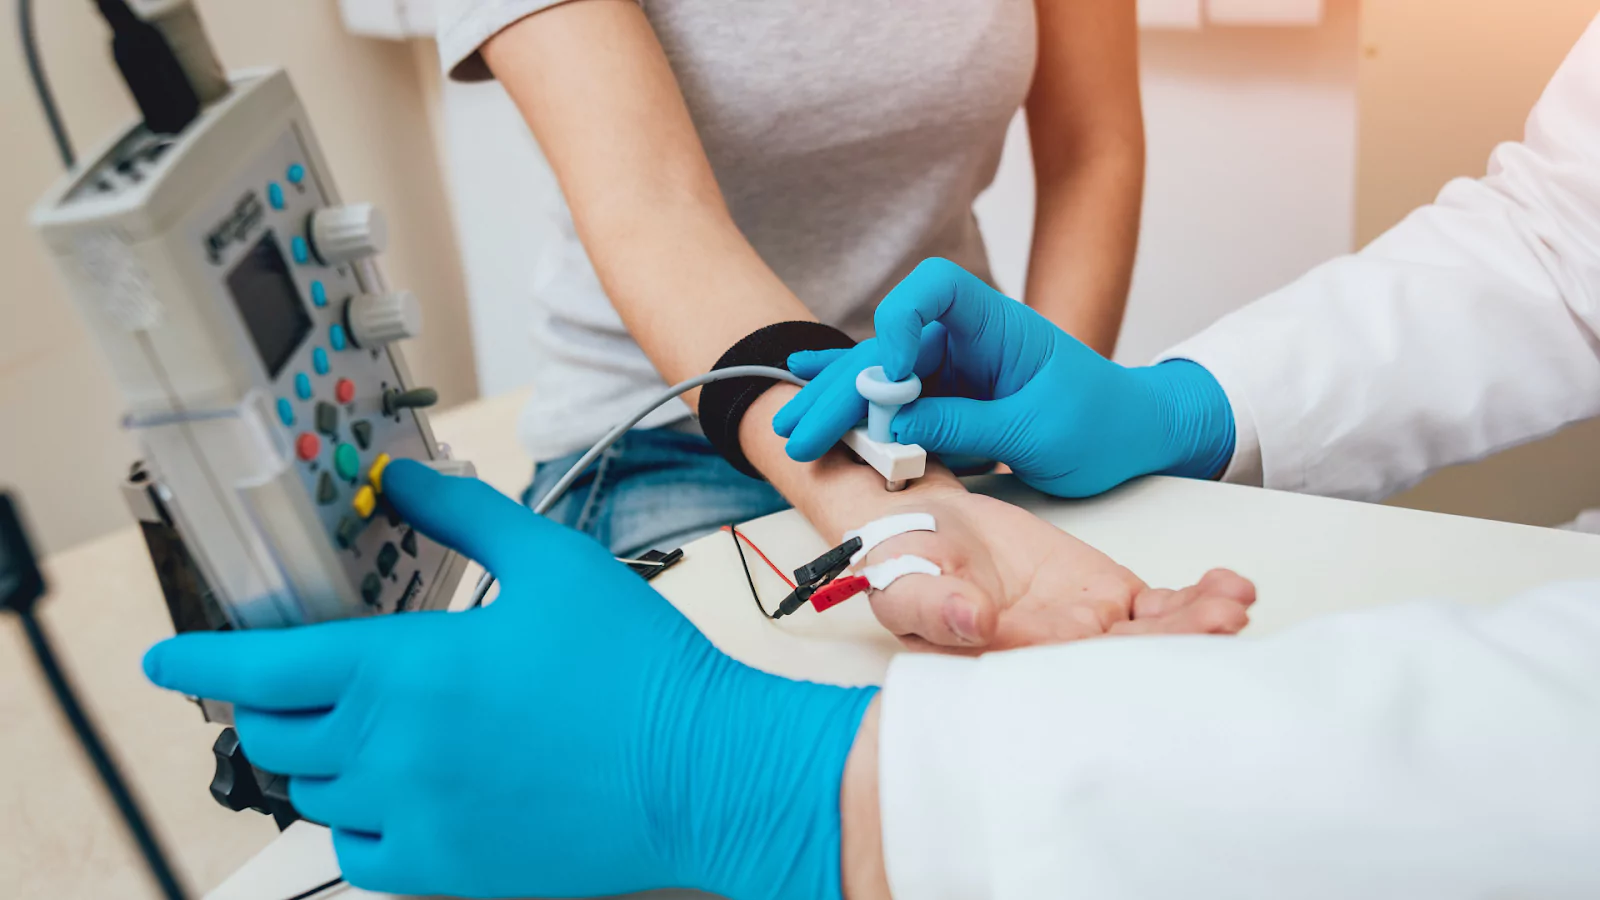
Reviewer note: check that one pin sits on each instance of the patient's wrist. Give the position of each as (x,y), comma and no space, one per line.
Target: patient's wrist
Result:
(837,492)
(724,405)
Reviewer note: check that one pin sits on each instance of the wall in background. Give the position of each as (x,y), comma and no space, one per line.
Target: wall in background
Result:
(1441,82)
(507,208)
(64,450)
(1252,158)
(1251,170)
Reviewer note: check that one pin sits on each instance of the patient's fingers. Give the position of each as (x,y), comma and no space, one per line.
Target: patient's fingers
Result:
(1206,615)
(1218,604)
(1152,602)
(1220,583)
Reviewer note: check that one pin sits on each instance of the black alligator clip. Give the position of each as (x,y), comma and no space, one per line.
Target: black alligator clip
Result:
(815,575)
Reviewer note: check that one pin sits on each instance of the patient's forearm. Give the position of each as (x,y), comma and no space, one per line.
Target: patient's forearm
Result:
(836,493)
(595,86)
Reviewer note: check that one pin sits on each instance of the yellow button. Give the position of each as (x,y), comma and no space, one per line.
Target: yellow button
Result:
(375,474)
(365,501)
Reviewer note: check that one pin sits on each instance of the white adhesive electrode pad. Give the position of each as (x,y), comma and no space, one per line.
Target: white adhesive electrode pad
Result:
(876,532)
(888,572)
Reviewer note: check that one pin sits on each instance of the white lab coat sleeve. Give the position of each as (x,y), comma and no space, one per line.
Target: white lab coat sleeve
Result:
(1469,327)
(1420,751)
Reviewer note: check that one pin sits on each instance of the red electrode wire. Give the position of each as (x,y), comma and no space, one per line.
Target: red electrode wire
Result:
(752,545)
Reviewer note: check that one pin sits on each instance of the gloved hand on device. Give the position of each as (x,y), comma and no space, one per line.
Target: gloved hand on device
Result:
(577,737)
(1068,421)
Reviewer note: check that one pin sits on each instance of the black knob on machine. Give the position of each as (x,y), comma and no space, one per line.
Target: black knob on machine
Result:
(234,784)
(239,786)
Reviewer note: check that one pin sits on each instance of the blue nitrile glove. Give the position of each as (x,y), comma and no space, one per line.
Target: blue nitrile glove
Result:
(812,427)
(1067,420)
(577,737)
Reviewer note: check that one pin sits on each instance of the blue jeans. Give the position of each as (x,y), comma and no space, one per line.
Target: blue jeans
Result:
(655,489)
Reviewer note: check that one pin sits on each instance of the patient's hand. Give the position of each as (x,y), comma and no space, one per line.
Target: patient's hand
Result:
(1012,579)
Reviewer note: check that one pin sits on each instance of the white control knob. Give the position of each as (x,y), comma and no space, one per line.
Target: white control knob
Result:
(341,234)
(378,319)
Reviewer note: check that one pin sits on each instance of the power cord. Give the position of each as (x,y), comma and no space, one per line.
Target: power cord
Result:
(21,586)
(150,69)
(41,83)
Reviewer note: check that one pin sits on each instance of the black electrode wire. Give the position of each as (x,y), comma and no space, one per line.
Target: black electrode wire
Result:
(154,856)
(41,84)
(750,579)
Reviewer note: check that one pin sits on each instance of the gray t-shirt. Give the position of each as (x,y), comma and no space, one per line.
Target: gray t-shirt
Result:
(850,138)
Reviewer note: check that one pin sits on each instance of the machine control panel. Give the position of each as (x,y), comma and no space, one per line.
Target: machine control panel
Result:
(237,300)
(322,339)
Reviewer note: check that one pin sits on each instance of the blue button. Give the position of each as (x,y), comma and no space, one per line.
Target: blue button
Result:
(336,336)
(302,386)
(297,173)
(319,294)
(319,360)
(285,412)
(275,195)
(302,253)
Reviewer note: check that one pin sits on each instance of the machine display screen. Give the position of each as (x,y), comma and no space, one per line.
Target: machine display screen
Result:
(269,303)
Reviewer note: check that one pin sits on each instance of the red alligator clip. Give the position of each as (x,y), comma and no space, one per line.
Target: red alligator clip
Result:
(838,591)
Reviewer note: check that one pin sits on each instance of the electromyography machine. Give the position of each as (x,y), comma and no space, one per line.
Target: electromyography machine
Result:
(236,300)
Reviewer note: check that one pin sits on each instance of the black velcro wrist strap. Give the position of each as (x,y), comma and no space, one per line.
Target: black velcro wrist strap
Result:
(724,403)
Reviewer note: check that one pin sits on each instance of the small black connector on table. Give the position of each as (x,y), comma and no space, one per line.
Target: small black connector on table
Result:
(651,564)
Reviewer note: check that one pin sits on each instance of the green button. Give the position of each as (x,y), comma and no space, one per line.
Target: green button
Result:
(346,461)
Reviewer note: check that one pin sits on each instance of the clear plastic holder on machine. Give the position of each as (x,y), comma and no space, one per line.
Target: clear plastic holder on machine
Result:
(225,477)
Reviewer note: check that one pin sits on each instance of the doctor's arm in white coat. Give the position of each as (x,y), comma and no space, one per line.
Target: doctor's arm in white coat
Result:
(1469,327)
(1421,751)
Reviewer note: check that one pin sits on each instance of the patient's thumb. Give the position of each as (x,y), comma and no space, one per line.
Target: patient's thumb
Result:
(945,611)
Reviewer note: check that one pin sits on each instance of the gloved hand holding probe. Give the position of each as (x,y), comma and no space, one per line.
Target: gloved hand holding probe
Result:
(577,737)
(1022,391)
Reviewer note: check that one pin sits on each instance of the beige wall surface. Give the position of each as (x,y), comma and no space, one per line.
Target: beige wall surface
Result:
(58,409)
(1440,83)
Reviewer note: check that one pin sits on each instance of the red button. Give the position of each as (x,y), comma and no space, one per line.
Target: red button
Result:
(344,391)
(307,446)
